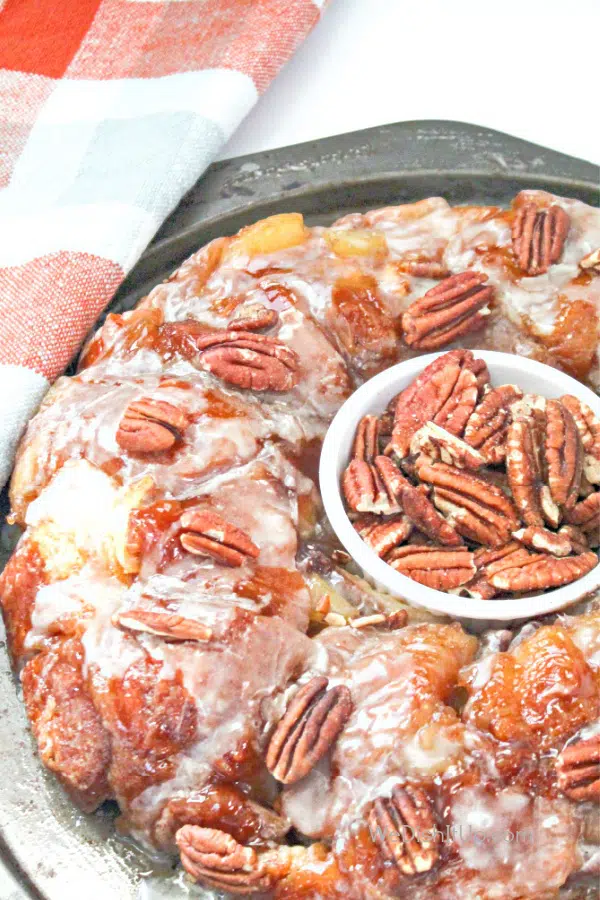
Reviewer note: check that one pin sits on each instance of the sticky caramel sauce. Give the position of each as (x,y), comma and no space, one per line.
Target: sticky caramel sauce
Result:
(219,406)
(280,297)
(178,339)
(124,335)
(574,340)
(361,321)
(279,585)
(306,458)
(151,720)
(219,805)
(23,576)
(148,526)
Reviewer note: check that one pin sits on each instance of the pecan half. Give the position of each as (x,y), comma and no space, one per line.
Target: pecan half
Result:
(455,412)
(564,455)
(150,426)
(577,538)
(415,504)
(449,310)
(439,445)
(364,490)
(366,441)
(578,769)
(525,467)
(445,392)
(586,515)
(218,860)
(488,424)
(588,426)
(422,513)
(480,587)
(591,262)
(536,538)
(358,486)
(162,624)
(435,567)
(524,571)
(403,827)
(538,237)
(254,317)
(484,556)
(510,556)
(311,724)
(206,533)
(476,509)
(384,536)
(254,361)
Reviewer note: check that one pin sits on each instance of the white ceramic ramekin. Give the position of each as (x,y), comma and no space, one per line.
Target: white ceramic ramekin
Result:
(373,397)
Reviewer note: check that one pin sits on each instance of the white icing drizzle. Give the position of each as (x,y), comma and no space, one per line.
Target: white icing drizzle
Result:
(511,844)
(81,500)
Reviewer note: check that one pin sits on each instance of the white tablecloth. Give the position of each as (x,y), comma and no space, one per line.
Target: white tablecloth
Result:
(527,67)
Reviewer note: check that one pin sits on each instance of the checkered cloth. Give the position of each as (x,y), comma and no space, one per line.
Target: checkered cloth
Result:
(110,110)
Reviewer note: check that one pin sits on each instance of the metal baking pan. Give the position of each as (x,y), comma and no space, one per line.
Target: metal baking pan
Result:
(48,851)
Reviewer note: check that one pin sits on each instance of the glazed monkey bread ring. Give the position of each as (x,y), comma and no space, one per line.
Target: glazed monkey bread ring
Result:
(194,644)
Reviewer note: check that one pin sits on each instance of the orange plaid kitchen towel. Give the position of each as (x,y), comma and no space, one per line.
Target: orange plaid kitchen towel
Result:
(110,110)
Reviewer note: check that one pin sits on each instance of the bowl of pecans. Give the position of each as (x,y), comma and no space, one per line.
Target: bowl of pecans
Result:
(468,482)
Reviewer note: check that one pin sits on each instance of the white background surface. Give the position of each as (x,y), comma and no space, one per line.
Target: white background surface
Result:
(526,67)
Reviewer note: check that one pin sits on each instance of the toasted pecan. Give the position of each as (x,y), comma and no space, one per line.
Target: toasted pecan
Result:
(163,624)
(488,424)
(446,392)
(311,724)
(477,510)
(441,568)
(247,360)
(524,571)
(205,533)
(150,426)
(538,237)
(216,859)
(403,827)
(449,310)
(578,768)
(588,426)
(384,536)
